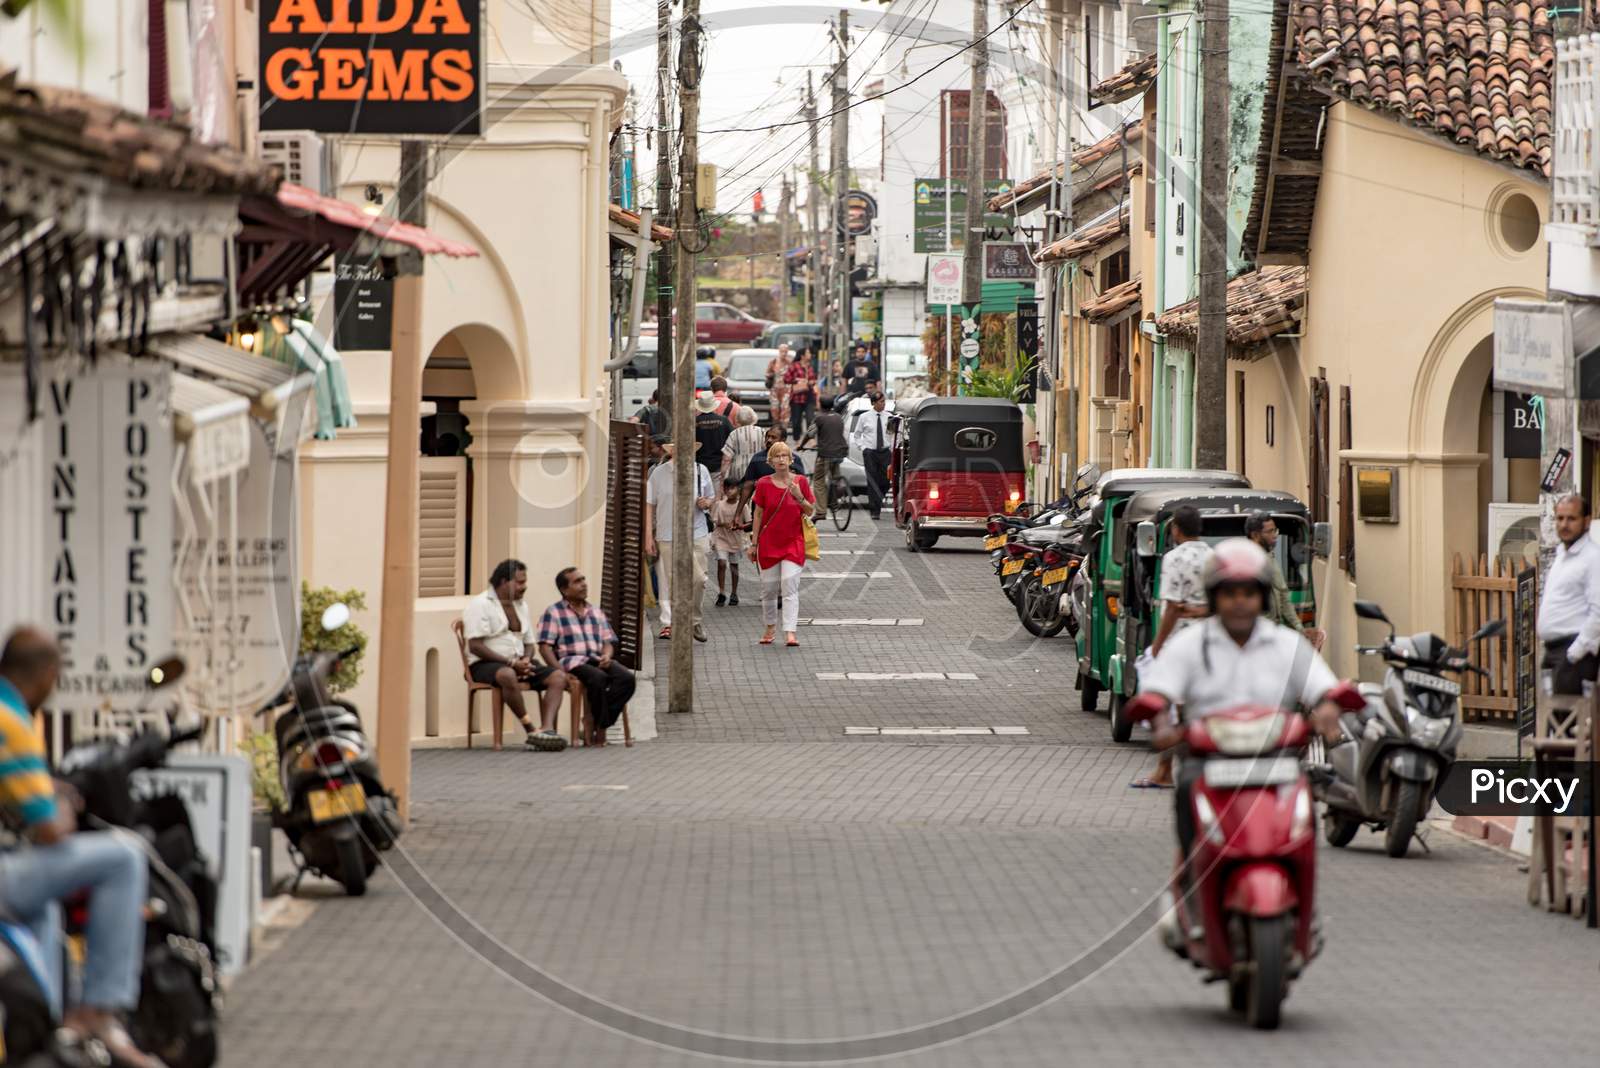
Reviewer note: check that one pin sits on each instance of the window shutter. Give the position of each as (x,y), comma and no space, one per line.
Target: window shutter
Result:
(1347,489)
(622,583)
(441,543)
(1318,490)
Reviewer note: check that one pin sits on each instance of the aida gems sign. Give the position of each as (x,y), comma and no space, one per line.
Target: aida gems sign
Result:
(372,66)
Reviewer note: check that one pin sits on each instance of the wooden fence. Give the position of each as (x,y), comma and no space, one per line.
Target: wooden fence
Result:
(1481,590)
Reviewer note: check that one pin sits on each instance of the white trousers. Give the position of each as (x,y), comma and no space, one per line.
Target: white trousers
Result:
(781,578)
(702,546)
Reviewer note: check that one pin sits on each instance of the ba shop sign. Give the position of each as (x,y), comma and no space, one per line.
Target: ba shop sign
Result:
(372,66)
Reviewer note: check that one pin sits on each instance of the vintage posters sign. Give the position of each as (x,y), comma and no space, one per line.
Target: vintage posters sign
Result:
(110,520)
(372,66)
(1532,347)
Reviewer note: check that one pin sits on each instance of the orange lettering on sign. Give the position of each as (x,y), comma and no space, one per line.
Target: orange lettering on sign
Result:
(304,10)
(452,74)
(339,78)
(435,10)
(340,22)
(402,80)
(301,84)
(371,23)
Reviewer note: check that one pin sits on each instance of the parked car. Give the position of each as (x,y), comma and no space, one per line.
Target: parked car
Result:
(798,335)
(746,372)
(723,324)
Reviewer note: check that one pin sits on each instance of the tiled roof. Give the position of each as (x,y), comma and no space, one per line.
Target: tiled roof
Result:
(1083,159)
(1113,302)
(69,131)
(1137,76)
(1477,72)
(1261,305)
(630,219)
(1288,161)
(1086,239)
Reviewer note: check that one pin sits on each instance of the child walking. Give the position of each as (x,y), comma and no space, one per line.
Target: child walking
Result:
(728,541)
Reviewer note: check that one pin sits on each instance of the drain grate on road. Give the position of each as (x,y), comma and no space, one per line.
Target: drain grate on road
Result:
(896,676)
(886,732)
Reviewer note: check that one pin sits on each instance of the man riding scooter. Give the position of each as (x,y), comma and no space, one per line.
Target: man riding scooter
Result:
(1235,657)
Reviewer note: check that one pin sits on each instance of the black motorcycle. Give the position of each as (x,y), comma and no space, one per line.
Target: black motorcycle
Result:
(337,814)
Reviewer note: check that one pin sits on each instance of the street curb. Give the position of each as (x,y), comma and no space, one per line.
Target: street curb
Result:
(1495,830)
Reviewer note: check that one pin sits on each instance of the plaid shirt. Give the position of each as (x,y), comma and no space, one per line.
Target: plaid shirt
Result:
(574,637)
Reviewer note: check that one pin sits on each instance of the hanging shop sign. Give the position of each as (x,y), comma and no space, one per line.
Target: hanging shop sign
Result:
(1007,261)
(1532,347)
(363,303)
(1523,426)
(110,520)
(372,66)
(859,211)
(944,279)
(929,212)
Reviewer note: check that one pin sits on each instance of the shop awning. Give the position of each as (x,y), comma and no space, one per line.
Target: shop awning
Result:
(999,298)
(275,391)
(214,424)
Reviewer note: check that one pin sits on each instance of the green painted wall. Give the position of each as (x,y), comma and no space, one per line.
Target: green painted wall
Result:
(1249,36)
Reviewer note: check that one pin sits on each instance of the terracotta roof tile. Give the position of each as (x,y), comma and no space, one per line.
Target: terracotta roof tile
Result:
(1261,305)
(1113,302)
(1133,79)
(1476,72)
(630,219)
(1082,159)
(1086,239)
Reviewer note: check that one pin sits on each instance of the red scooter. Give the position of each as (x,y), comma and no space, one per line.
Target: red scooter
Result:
(1249,915)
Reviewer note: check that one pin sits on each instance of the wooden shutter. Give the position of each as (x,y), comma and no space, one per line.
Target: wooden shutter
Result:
(622,585)
(1318,466)
(1347,489)
(1239,404)
(441,544)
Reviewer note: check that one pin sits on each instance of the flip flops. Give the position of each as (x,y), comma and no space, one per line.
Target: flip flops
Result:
(767,639)
(1148,783)
(792,643)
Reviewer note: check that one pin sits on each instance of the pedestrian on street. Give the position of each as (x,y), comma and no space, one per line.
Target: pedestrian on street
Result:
(1262,529)
(711,432)
(728,541)
(725,405)
(1183,601)
(783,501)
(500,646)
(1569,603)
(801,380)
(651,415)
(859,370)
(658,495)
(778,383)
(871,435)
(576,636)
(760,468)
(828,432)
(742,445)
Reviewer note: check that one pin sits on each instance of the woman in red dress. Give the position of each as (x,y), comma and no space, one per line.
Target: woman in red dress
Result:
(778,546)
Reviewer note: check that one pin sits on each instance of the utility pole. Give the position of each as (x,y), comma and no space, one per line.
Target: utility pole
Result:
(664,252)
(972,250)
(841,189)
(784,207)
(814,291)
(680,693)
(1211,355)
(1062,217)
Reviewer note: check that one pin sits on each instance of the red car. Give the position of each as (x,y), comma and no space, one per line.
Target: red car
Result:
(723,324)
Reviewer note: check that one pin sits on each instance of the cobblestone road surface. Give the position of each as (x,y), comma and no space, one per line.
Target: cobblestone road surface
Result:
(757,872)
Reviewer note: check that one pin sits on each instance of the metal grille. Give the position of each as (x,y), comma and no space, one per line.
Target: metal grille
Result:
(1575,177)
(622,587)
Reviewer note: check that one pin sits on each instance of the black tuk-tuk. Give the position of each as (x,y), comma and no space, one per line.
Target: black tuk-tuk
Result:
(957,461)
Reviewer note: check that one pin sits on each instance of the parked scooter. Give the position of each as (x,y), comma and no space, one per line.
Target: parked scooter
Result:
(1248,917)
(337,813)
(179,996)
(1399,744)
(29,1036)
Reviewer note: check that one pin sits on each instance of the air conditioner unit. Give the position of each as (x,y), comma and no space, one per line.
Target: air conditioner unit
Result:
(1514,532)
(300,153)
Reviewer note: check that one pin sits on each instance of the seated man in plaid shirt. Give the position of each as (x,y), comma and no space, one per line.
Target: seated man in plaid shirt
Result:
(576,636)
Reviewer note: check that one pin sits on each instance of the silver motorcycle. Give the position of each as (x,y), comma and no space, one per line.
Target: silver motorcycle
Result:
(1392,755)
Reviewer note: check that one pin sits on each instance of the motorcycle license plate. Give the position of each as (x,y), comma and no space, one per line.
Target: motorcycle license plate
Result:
(348,800)
(994,541)
(1011,567)
(1252,771)
(1054,575)
(1431,682)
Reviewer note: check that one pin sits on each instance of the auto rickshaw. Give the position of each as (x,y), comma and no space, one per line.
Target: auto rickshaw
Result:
(956,462)
(1097,633)
(1147,535)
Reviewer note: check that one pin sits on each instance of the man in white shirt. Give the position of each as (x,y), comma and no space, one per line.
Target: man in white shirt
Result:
(1569,603)
(500,648)
(871,435)
(658,495)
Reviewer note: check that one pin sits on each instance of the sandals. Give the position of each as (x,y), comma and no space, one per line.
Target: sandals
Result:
(666,632)
(791,643)
(767,639)
(1149,784)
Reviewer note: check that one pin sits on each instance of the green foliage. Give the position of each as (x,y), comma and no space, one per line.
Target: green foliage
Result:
(313,602)
(1004,382)
(262,749)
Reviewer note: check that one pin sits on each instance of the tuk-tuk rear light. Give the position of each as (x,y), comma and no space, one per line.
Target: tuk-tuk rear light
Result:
(1112,606)
(933,493)
(1016,495)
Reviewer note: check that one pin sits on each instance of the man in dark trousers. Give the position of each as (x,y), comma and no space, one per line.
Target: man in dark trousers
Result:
(872,436)
(711,430)
(576,636)
(827,430)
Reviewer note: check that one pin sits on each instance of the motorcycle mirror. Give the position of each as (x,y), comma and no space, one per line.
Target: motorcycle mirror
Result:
(166,672)
(1371,610)
(1144,537)
(1087,476)
(1144,707)
(335,616)
(1347,696)
(1492,629)
(1322,539)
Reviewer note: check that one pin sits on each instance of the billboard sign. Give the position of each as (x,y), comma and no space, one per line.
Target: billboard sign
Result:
(928,212)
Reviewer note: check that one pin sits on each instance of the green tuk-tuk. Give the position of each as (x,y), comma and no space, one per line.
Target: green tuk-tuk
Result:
(1102,573)
(1147,535)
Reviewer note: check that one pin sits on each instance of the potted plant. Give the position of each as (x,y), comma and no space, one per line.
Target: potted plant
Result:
(313,602)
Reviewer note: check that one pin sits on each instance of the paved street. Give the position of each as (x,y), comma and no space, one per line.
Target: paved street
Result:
(758,872)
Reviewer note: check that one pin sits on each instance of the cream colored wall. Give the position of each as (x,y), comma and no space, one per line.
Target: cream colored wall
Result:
(1405,268)
(1277,379)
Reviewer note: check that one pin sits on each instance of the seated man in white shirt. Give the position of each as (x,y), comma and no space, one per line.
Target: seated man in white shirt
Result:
(1569,601)
(500,652)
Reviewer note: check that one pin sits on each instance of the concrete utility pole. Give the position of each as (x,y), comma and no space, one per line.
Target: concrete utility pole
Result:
(784,207)
(1211,355)
(972,228)
(664,253)
(1062,197)
(841,189)
(680,694)
(815,299)
(401,519)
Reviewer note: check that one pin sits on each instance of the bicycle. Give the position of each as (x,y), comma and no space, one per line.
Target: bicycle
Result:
(841,503)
